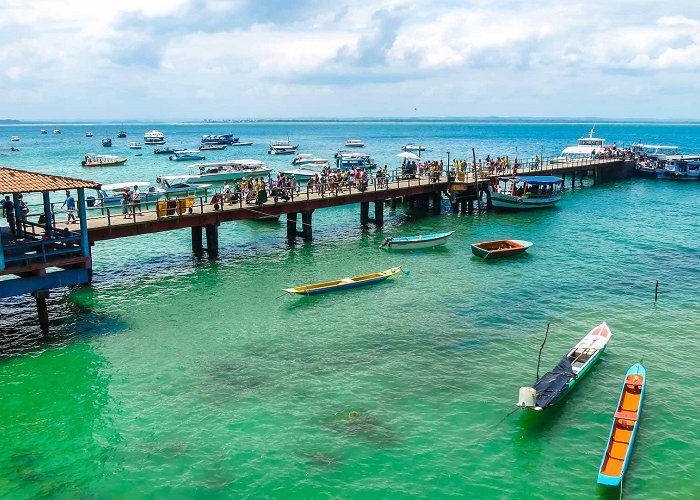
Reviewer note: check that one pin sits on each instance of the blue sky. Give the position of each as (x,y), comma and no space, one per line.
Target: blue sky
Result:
(239,59)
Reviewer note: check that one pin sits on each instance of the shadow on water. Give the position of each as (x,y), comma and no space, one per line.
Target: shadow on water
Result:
(362,425)
(323,460)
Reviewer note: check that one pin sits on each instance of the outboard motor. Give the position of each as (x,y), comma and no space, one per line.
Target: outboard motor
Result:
(527,397)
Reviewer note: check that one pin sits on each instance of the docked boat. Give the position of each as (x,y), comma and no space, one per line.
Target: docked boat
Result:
(56,131)
(43,131)
(135,145)
(14,138)
(585,148)
(88,134)
(651,157)
(354,143)
(304,159)
(351,161)
(95,160)
(416,242)
(526,192)
(302,173)
(237,142)
(229,170)
(212,147)
(282,148)
(343,284)
(177,185)
(500,248)
(624,427)
(154,137)
(555,384)
(121,134)
(186,155)
(110,195)
(107,142)
(679,168)
(167,150)
(224,139)
(412,147)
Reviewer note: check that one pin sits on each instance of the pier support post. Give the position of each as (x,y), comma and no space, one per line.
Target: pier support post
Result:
(42,309)
(573,179)
(489,204)
(378,213)
(392,202)
(291,225)
(306,227)
(197,239)
(455,206)
(470,206)
(437,202)
(364,212)
(212,239)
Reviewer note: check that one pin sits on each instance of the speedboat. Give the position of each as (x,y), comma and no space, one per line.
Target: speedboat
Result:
(219,139)
(95,160)
(586,148)
(354,143)
(167,150)
(186,155)
(237,142)
(14,138)
(88,134)
(680,168)
(282,148)
(305,159)
(121,134)
(154,137)
(229,170)
(555,384)
(135,145)
(110,195)
(56,131)
(302,173)
(211,147)
(526,192)
(107,142)
(177,185)
(43,131)
(350,160)
(412,147)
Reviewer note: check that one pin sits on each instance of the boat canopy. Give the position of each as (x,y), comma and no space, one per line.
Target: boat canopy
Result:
(534,179)
(554,382)
(121,185)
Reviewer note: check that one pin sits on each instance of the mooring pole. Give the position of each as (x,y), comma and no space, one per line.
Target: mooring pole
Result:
(539,357)
(656,292)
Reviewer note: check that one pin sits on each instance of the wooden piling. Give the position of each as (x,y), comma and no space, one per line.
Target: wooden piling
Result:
(364,213)
(306,226)
(42,309)
(378,213)
(197,239)
(292,225)
(212,231)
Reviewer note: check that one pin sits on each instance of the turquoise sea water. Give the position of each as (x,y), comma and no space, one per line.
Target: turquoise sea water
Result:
(178,376)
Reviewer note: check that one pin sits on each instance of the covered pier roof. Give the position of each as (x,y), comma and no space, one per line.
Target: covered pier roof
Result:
(23,181)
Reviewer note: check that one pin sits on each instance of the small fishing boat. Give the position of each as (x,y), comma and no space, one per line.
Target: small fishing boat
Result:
(88,134)
(43,131)
(211,147)
(624,427)
(95,160)
(107,142)
(237,142)
(121,134)
(354,143)
(415,242)
(14,138)
(555,384)
(343,284)
(186,155)
(135,145)
(167,150)
(56,131)
(412,147)
(282,148)
(500,248)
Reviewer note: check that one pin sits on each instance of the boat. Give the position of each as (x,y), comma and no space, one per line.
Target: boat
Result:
(309,159)
(499,248)
(412,147)
(95,160)
(555,384)
(135,145)
(415,242)
(229,170)
(56,131)
(121,134)
(679,168)
(154,137)
(350,160)
(585,148)
(354,143)
(110,195)
(624,427)
(211,147)
(282,148)
(88,134)
(302,173)
(526,192)
(168,150)
(343,284)
(219,139)
(14,138)
(177,185)
(651,157)
(43,131)
(186,155)
(107,142)
(237,142)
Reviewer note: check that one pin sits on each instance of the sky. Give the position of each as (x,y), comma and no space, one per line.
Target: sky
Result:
(260,59)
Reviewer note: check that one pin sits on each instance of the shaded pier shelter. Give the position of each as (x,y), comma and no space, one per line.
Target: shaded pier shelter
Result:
(35,254)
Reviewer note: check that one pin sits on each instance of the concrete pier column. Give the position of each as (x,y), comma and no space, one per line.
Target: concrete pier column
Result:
(306,225)
(292,225)
(42,309)
(197,239)
(364,212)
(212,239)
(378,213)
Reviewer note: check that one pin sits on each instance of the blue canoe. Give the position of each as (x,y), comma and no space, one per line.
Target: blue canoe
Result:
(624,427)
(413,242)
(343,284)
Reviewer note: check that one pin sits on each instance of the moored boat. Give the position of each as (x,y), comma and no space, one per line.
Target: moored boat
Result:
(14,138)
(218,139)
(177,185)
(349,160)
(135,145)
(354,143)
(56,131)
(303,159)
(526,192)
(416,242)
(343,284)
(121,134)
(88,134)
(555,384)
(624,427)
(229,170)
(95,160)
(412,147)
(585,148)
(107,142)
(43,131)
(500,248)
(154,137)
(110,195)
(679,168)
(186,155)
(282,148)
(167,150)
(212,147)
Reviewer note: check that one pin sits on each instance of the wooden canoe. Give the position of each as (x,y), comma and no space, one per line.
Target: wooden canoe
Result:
(500,248)
(343,284)
(624,427)
(415,242)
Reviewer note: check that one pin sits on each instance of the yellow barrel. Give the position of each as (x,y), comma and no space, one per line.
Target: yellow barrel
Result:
(162,208)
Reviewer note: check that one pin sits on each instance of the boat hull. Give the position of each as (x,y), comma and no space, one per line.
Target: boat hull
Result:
(103,164)
(343,284)
(417,242)
(507,201)
(221,177)
(510,250)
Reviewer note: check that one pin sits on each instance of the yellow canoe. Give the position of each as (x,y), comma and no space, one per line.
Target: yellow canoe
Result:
(343,284)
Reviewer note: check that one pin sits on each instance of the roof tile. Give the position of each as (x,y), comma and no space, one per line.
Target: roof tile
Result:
(22,181)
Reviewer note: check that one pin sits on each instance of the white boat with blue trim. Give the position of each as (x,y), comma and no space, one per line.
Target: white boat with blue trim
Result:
(416,242)
(526,191)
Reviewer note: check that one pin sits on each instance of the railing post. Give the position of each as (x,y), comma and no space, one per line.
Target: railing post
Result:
(109,220)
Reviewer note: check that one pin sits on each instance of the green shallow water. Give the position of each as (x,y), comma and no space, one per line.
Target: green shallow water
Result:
(175,376)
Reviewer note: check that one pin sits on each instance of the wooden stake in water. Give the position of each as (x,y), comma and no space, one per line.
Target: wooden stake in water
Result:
(539,357)
(656,292)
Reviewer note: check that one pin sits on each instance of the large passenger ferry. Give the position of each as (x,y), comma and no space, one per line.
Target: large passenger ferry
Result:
(154,137)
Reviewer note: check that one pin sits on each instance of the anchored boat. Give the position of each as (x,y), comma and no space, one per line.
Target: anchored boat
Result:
(343,284)
(500,248)
(95,160)
(555,384)
(415,242)
(527,192)
(282,148)
(624,427)
(186,155)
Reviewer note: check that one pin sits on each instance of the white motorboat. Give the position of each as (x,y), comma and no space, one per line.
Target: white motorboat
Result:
(354,143)
(349,160)
(135,145)
(412,147)
(301,173)
(229,170)
(282,148)
(14,138)
(43,131)
(187,155)
(111,194)
(56,131)
(88,134)
(154,137)
(177,185)
(304,159)
(587,147)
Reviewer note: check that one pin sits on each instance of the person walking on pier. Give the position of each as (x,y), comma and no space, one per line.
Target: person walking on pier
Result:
(136,198)
(8,211)
(69,203)
(126,198)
